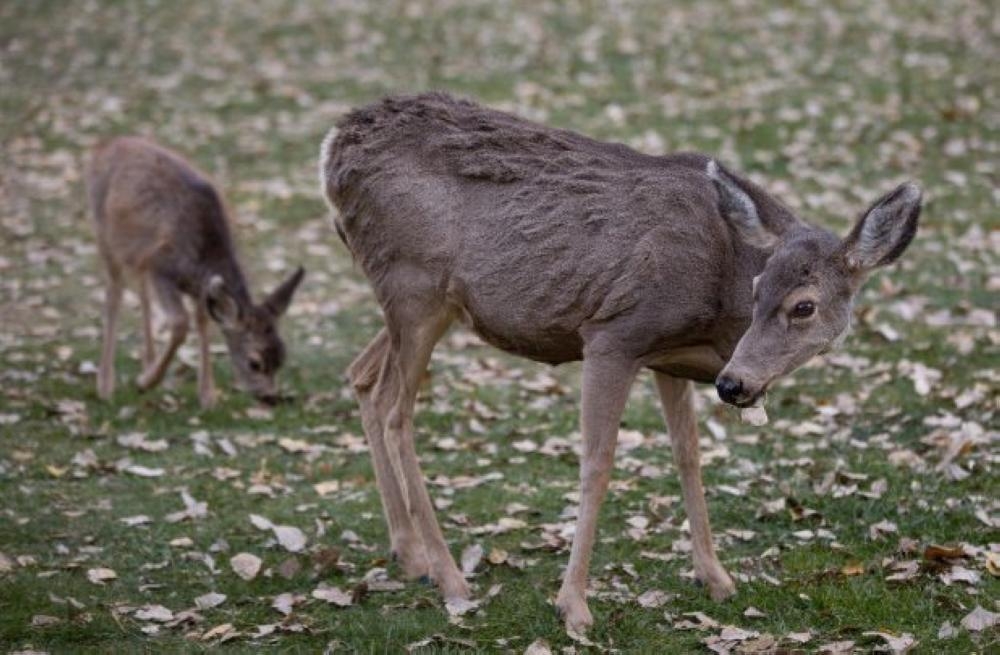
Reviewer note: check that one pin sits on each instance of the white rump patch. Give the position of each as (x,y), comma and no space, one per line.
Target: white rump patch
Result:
(324,158)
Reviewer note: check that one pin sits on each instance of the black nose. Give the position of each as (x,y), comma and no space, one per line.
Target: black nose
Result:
(270,399)
(729,389)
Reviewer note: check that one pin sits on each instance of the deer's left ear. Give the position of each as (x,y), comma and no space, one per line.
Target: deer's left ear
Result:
(278,301)
(885,230)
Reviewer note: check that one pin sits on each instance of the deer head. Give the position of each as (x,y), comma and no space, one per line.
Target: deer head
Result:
(802,299)
(251,334)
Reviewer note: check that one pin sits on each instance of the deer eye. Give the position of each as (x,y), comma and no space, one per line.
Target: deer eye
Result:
(804,309)
(256,366)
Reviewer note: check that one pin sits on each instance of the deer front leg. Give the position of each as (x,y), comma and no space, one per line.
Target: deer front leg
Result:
(606,384)
(206,378)
(678,406)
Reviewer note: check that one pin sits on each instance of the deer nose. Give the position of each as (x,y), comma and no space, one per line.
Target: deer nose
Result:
(729,389)
(268,398)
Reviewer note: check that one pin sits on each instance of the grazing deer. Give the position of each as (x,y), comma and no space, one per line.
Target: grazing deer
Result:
(162,222)
(557,247)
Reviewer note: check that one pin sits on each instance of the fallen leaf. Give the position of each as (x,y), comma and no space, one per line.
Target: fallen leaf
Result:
(853,568)
(291,538)
(327,487)
(980,619)
(209,600)
(157,613)
(144,471)
(934,552)
(332,595)
(218,632)
(896,645)
(836,648)
(284,603)
(653,598)
(101,575)
(245,565)
(877,530)
(460,606)
(471,557)
(538,647)
(44,620)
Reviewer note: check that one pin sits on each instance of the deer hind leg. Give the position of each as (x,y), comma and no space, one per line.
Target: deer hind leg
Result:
(678,406)
(148,343)
(112,305)
(606,384)
(177,322)
(412,335)
(365,372)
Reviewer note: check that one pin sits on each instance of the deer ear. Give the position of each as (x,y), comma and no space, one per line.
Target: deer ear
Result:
(739,209)
(221,305)
(277,303)
(885,230)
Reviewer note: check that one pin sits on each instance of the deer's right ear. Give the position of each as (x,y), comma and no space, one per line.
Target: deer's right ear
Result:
(220,303)
(738,209)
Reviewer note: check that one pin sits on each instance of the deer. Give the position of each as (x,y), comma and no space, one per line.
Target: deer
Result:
(557,247)
(161,223)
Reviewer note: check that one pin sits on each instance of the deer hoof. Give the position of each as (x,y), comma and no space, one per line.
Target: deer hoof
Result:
(573,610)
(721,588)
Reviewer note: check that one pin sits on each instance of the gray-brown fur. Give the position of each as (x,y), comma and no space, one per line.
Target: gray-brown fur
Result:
(161,222)
(558,247)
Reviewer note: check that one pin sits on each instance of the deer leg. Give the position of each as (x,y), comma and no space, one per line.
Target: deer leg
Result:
(410,352)
(177,321)
(206,379)
(148,343)
(678,405)
(606,383)
(112,305)
(364,373)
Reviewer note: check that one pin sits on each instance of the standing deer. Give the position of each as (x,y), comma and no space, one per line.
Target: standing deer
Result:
(557,247)
(162,222)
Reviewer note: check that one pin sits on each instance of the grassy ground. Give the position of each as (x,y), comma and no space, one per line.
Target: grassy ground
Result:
(828,106)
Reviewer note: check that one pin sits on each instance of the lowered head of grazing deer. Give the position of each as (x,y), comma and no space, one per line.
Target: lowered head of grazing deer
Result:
(803,297)
(161,222)
(251,332)
(557,247)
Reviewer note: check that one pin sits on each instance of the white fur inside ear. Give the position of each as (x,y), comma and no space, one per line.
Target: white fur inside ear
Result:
(739,209)
(883,228)
(756,281)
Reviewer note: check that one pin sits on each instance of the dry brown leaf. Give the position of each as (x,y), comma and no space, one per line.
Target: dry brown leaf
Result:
(101,575)
(209,600)
(853,568)
(245,565)
(471,557)
(332,595)
(653,598)
(896,645)
(157,613)
(836,648)
(538,647)
(935,552)
(980,619)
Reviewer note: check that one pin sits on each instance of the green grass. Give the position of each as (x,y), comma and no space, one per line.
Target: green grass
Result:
(827,106)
